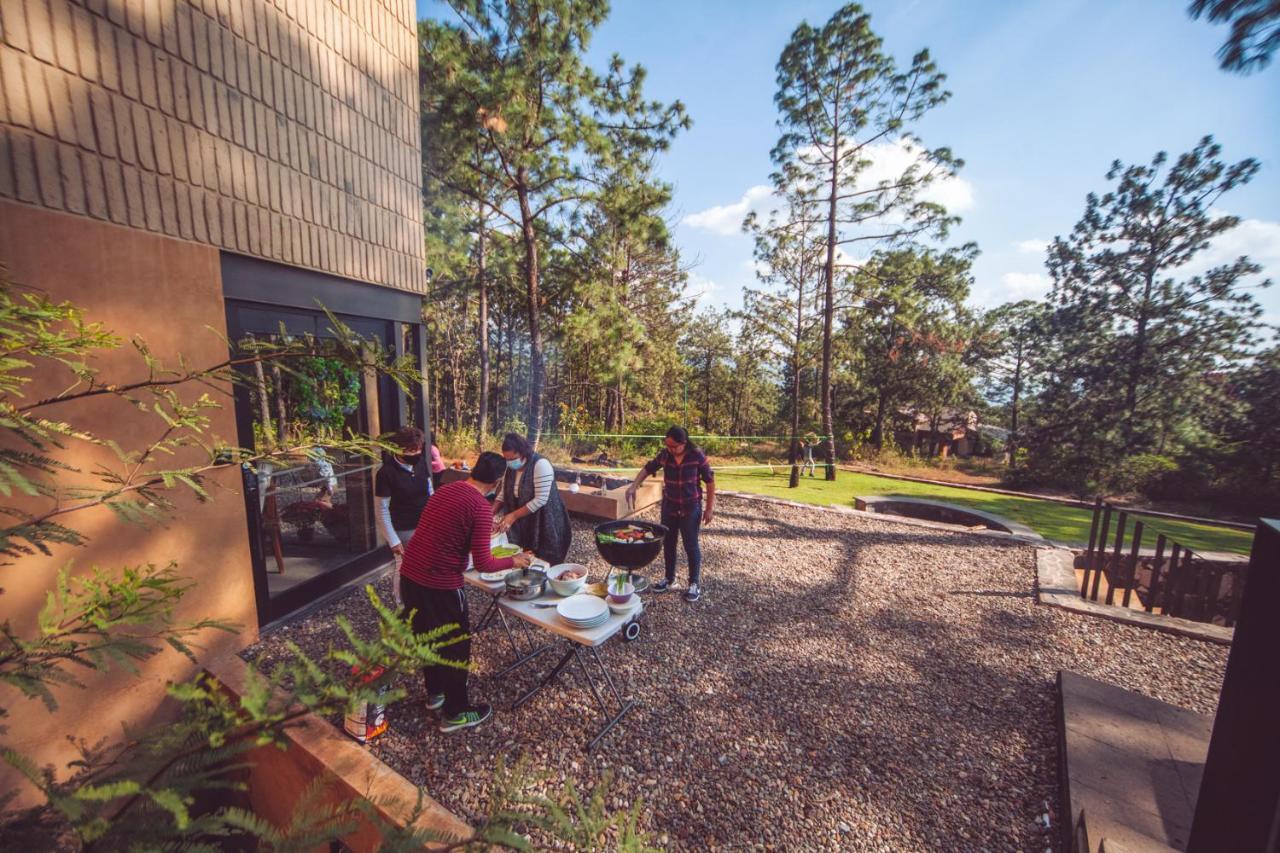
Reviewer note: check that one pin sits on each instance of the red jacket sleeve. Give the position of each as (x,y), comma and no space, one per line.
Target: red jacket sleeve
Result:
(481,556)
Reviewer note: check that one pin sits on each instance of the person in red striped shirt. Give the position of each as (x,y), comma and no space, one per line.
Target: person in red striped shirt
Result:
(456,524)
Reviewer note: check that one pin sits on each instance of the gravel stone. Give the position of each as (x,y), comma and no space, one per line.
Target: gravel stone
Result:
(846,682)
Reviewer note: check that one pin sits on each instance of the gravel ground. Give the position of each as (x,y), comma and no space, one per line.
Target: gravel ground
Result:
(845,682)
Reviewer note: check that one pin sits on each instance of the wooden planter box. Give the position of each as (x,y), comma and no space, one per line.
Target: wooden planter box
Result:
(588,501)
(276,779)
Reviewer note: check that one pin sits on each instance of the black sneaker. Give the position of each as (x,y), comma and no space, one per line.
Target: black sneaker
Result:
(693,593)
(661,586)
(473,716)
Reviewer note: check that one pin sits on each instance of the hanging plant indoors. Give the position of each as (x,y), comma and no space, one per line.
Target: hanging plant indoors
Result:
(325,391)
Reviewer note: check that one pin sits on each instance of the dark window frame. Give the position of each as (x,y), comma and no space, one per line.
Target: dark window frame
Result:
(255,292)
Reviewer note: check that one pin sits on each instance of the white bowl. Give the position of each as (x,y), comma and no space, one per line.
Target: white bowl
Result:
(569,587)
(624,609)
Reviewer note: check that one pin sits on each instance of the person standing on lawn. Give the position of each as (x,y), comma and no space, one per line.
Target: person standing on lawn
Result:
(684,469)
(810,442)
(535,516)
(402,487)
(456,524)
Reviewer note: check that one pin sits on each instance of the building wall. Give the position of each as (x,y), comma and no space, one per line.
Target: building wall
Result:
(282,129)
(109,271)
(138,140)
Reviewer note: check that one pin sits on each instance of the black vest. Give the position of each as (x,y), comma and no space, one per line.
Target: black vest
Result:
(547,532)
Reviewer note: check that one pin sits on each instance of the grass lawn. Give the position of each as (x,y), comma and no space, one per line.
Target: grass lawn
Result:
(1052,520)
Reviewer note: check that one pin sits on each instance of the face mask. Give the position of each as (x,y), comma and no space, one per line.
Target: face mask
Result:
(411,458)
(515,464)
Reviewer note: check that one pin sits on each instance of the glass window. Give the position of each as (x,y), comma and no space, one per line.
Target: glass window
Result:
(311,513)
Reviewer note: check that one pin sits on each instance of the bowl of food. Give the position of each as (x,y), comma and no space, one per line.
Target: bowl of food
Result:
(567,578)
(621,590)
(629,544)
(501,551)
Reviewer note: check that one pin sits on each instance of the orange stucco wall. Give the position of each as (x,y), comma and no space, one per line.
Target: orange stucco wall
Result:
(167,292)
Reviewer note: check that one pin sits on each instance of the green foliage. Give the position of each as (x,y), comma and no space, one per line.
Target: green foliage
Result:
(1137,347)
(539,141)
(1142,473)
(1255,31)
(93,622)
(326,390)
(910,339)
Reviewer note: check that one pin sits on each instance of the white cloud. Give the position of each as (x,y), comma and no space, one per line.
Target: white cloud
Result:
(886,163)
(889,160)
(1257,238)
(701,289)
(1025,285)
(1011,287)
(1034,246)
(727,218)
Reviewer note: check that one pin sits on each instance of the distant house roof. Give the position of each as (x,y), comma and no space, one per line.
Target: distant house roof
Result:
(995,432)
(949,420)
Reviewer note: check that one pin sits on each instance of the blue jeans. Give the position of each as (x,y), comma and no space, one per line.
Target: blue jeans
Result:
(686,527)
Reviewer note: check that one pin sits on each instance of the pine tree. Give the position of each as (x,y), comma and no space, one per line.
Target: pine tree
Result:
(547,120)
(1008,349)
(1133,334)
(789,251)
(842,102)
(910,331)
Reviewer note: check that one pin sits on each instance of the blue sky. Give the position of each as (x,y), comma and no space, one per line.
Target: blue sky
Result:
(1046,93)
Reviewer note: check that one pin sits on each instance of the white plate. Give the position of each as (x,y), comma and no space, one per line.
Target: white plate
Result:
(586,626)
(582,608)
(501,574)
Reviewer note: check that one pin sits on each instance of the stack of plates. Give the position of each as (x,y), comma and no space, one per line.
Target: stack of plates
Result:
(583,611)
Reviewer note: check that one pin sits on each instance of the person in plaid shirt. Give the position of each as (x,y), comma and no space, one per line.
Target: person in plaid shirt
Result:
(684,469)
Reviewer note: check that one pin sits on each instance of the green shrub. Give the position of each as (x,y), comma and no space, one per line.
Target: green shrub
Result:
(1143,473)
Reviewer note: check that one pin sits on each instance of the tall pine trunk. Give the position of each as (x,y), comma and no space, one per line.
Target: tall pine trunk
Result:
(794,482)
(1012,446)
(1135,366)
(536,365)
(482,417)
(829,304)
(877,432)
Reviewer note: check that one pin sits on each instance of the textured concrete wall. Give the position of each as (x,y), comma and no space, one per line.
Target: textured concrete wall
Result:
(137,139)
(282,129)
(109,271)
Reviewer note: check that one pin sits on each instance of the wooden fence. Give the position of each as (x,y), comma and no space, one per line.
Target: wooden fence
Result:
(1171,579)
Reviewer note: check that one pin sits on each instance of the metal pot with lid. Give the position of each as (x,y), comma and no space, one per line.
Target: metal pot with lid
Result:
(524,584)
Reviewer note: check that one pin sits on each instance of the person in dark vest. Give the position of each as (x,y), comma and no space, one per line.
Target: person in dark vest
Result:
(402,487)
(535,517)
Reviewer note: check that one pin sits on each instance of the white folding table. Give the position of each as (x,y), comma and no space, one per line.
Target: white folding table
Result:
(582,646)
(495,590)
